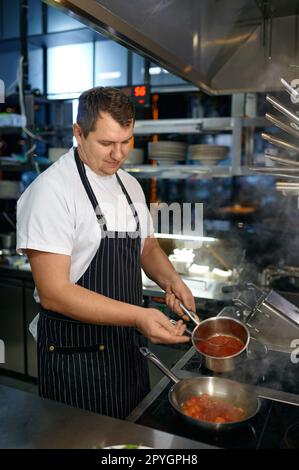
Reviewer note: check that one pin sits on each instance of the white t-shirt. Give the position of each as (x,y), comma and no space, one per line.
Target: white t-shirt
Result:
(55,215)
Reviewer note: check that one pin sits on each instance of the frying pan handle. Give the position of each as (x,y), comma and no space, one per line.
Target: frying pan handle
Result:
(190,314)
(151,357)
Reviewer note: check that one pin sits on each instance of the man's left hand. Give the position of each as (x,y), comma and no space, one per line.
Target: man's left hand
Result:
(178,292)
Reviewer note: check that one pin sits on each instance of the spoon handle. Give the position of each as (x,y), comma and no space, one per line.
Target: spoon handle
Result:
(190,314)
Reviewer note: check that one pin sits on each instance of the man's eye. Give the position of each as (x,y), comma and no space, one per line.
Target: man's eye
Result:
(105,144)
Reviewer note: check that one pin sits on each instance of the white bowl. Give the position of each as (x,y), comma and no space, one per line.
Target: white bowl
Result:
(185,254)
(221,275)
(179,265)
(198,270)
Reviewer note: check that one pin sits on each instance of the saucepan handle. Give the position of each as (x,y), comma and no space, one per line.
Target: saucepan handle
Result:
(190,314)
(151,357)
(259,353)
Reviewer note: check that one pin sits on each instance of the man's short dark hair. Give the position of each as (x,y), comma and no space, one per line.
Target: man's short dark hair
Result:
(99,100)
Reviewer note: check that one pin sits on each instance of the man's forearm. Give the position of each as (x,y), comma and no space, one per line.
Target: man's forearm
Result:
(157,267)
(88,306)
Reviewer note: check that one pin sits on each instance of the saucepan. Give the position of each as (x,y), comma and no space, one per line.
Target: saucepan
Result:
(224,390)
(220,359)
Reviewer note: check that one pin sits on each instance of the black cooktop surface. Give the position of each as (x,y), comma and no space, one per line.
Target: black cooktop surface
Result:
(275,426)
(274,370)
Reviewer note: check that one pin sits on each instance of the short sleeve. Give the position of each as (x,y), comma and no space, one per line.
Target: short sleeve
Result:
(44,219)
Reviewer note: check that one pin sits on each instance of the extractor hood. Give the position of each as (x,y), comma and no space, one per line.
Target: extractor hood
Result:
(221,46)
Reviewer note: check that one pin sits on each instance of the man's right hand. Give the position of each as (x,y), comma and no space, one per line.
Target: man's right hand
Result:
(157,328)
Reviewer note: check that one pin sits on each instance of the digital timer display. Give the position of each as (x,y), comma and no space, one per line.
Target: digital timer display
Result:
(139,94)
(140,91)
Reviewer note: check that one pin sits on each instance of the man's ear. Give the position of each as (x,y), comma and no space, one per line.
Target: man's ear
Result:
(77,132)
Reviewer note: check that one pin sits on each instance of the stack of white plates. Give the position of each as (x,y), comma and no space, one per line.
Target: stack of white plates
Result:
(166,152)
(207,154)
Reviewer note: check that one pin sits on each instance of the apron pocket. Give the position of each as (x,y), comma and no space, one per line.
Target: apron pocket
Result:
(52,348)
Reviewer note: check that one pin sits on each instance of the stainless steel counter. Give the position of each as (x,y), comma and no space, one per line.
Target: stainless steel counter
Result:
(200,289)
(207,290)
(28,421)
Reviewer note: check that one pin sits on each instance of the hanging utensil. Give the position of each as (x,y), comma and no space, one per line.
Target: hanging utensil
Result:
(288,184)
(293,92)
(279,142)
(281,160)
(277,172)
(282,125)
(282,108)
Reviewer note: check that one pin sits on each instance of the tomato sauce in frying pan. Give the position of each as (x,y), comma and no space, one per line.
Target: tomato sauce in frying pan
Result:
(213,410)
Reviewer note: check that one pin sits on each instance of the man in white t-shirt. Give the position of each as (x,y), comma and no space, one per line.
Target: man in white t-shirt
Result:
(86,229)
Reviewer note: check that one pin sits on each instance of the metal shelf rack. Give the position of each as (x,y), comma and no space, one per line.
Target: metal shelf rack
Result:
(198,126)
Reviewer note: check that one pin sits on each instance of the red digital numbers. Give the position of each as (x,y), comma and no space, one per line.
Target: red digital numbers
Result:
(140,91)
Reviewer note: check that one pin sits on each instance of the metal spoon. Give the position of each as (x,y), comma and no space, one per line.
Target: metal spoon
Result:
(196,320)
(190,332)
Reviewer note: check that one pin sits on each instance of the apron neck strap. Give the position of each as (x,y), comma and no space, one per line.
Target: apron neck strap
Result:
(82,172)
(100,216)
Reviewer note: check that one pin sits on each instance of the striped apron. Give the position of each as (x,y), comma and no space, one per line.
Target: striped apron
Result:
(98,367)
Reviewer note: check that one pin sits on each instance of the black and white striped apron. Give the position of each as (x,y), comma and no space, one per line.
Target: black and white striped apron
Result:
(98,367)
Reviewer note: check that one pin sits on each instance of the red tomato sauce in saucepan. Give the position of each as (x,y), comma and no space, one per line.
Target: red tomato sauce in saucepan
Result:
(213,410)
(220,346)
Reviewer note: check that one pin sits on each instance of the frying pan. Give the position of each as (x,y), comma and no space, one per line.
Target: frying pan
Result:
(239,395)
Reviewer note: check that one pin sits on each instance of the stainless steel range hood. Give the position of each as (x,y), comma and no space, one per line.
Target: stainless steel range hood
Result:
(221,46)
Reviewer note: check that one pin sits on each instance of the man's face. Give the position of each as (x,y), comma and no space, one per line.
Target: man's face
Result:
(106,148)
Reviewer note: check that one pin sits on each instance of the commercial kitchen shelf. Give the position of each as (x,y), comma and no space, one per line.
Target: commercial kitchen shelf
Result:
(177,171)
(195,126)
(188,171)
(182,126)
(235,125)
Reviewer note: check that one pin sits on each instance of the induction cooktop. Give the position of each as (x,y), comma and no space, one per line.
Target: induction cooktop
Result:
(276,425)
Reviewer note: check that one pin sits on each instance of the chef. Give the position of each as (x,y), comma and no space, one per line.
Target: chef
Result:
(86,229)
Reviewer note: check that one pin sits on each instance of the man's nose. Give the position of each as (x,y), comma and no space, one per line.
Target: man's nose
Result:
(117,153)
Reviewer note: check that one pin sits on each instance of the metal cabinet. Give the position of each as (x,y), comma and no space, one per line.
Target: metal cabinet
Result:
(11,325)
(17,310)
